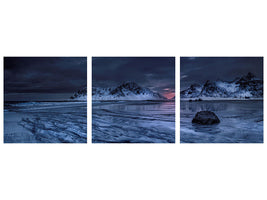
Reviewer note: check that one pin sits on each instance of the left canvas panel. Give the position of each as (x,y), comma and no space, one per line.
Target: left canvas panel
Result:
(45,99)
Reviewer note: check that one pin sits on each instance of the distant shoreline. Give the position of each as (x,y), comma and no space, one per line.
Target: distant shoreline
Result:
(220,99)
(166,100)
(72,100)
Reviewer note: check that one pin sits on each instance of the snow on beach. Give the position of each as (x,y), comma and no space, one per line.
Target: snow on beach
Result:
(133,122)
(241,122)
(45,122)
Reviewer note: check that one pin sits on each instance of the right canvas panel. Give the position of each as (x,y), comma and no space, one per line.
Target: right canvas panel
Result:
(221,100)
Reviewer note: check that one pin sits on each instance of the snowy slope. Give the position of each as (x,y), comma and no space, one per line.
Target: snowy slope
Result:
(80,95)
(245,87)
(193,91)
(125,91)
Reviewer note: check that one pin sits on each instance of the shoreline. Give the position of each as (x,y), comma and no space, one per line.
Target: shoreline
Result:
(220,99)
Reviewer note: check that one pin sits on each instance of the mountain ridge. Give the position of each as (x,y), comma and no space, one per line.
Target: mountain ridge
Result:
(80,95)
(128,90)
(247,86)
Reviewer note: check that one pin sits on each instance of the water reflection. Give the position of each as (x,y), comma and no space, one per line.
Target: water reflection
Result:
(138,106)
(212,129)
(199,106)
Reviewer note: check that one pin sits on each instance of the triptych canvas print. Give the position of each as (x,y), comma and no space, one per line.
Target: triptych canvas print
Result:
(133,100)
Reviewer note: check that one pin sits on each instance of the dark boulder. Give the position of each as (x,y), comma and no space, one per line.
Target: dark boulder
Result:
(206,117)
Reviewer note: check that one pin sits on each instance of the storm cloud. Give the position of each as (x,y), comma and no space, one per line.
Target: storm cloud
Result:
(201,69)
(38,76)
(156,73)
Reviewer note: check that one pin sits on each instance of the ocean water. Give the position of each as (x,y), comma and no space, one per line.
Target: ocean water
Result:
(241,122)
(133,122)
(45,122)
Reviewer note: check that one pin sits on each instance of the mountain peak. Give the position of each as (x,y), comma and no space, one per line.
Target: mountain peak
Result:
(250,76)
(195,85)
(246,78)
(81,94)
(130,85)
(209,83)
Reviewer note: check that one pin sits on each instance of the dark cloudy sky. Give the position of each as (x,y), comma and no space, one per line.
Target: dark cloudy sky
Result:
(201,69)
(155,73)
(43,78)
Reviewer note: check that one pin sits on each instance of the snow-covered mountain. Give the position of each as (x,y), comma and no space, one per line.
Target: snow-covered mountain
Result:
(80,95)
(126,91)
(245,87)
(193,91)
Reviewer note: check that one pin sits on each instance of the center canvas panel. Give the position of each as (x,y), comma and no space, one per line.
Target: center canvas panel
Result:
(133,100)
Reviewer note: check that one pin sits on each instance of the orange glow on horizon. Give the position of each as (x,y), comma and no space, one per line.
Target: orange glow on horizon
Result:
(169,95)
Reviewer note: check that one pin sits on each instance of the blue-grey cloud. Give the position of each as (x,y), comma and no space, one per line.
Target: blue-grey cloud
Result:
(38,75)
(200,69)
